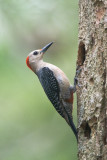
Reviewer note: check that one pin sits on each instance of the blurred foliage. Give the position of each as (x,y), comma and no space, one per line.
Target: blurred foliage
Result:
(30,128)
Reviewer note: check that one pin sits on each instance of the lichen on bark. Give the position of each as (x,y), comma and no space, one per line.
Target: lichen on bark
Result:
(92,96)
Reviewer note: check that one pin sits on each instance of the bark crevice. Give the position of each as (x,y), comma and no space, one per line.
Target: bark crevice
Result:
(81,54)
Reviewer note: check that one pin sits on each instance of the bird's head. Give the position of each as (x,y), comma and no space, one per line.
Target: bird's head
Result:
(36,55)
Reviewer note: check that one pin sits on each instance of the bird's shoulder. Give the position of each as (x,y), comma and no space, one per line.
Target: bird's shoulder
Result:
(53,73)
(59,74)
(45,71)
(47,77)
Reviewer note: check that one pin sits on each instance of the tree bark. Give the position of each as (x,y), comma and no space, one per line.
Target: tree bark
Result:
(92,95)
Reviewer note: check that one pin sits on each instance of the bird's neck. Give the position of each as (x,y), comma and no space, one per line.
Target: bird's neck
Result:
(37,65)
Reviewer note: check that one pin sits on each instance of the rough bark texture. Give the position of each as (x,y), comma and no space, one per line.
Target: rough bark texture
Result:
(92,96)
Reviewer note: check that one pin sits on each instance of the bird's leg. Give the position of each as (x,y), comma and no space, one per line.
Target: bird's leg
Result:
(73,88)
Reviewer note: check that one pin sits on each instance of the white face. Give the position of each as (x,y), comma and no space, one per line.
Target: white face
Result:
(35,56)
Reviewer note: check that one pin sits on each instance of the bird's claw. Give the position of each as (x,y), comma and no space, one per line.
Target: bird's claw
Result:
(78,70)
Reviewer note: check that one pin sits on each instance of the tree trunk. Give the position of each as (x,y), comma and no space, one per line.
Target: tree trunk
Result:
(92,95)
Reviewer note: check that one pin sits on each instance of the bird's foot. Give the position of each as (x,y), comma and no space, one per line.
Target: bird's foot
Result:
(76,83)
(78,71)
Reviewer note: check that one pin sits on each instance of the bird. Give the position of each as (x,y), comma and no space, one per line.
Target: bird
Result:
(55,83)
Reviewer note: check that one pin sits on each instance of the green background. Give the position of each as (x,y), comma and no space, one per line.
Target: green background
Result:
(30,128)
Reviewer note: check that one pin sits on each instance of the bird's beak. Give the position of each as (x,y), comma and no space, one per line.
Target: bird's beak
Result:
(44,49)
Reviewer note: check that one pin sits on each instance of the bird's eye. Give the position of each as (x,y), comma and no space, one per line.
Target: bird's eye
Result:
(35,53)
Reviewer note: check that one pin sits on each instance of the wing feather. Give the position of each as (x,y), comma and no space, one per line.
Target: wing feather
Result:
(51,87)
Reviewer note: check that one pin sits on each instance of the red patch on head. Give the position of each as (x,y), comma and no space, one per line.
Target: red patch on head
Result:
(27,62)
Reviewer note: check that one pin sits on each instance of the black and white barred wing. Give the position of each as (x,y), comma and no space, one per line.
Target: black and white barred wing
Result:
(51,87)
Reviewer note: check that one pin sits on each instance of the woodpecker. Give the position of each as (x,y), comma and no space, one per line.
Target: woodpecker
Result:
(55,84)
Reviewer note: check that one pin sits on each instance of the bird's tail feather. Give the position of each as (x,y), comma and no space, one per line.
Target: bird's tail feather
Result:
(72,125)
